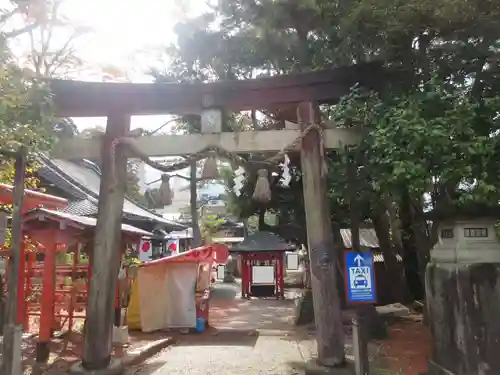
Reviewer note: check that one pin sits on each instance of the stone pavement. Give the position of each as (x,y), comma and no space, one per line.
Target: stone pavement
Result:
(26,342)
(67,350)
(248,337)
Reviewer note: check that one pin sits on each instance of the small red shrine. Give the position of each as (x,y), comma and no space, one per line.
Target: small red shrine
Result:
(32,199)
(262,257)
(57,232)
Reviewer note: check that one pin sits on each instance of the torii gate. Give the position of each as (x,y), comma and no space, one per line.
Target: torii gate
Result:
(119,101)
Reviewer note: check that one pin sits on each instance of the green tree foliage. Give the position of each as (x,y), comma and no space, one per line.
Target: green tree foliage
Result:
(25,107)
(25,113)
(133,180)
(432,145)
(53,51)
(425,139)
(210,224)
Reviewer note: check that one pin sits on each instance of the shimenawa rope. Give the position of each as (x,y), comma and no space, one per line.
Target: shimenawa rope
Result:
(233,158)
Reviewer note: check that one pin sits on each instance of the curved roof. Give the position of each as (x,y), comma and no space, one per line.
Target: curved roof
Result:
(32,198)
(82,221)
(203,254)
(261,242)
(83,182)
(367,238)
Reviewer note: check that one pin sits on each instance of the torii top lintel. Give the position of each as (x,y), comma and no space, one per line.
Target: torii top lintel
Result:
(89,99)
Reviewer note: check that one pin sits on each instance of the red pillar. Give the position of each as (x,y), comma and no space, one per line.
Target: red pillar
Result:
(47,310)
(72,298)
(243,275)
(29,275)
(278,275)
(118,312)
(250,276)
(277,263)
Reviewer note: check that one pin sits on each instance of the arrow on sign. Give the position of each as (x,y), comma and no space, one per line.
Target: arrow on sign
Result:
(359,260)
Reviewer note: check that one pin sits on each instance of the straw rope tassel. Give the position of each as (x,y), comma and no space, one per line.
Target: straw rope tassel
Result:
(210,170)
(262,192)
(165,190)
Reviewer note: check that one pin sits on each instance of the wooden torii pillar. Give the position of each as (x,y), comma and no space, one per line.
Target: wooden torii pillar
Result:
(305,91)
(98,334)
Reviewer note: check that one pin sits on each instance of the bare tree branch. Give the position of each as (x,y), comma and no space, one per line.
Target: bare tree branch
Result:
(23,30)
(6,16)
(48,56)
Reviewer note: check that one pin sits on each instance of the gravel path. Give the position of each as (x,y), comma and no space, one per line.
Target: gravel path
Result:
(249,337)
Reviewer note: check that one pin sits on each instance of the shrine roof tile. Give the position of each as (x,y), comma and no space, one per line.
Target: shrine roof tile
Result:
(82,207)
(82,182)
(262,242)
(38,213)
(367,238)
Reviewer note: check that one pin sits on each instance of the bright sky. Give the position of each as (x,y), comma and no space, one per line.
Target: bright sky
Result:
(129,35)
(126,35)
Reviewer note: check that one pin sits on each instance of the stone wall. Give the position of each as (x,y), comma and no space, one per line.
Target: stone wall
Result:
(463,303)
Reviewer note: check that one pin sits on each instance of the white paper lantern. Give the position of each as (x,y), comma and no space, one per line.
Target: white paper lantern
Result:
(286,177)
(239,180)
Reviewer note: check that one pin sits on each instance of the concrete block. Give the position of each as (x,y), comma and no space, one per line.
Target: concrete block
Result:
(120,335)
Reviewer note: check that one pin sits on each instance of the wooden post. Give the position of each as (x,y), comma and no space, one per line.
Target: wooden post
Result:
(106,251)
(193,202)
(360,323)
(327,312)
(11,358)
(21,285)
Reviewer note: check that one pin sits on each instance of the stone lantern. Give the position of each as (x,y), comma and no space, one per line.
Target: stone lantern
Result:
(463,297)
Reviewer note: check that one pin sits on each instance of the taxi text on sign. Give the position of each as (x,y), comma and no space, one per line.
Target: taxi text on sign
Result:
(360,277)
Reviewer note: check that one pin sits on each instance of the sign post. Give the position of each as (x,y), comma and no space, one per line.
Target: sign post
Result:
(361,290)
(360,277)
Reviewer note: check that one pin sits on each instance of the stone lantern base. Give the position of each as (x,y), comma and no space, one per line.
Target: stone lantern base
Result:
(115,367)
(463,294)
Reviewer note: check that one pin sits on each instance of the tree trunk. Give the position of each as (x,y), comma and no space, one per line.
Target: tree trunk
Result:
(339,244)
(395,225)
(395,274)
(413,243)
(422,238)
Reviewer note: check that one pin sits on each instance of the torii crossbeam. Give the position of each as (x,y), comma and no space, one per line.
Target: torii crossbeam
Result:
(119,101)
(179,145)
(92,99)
